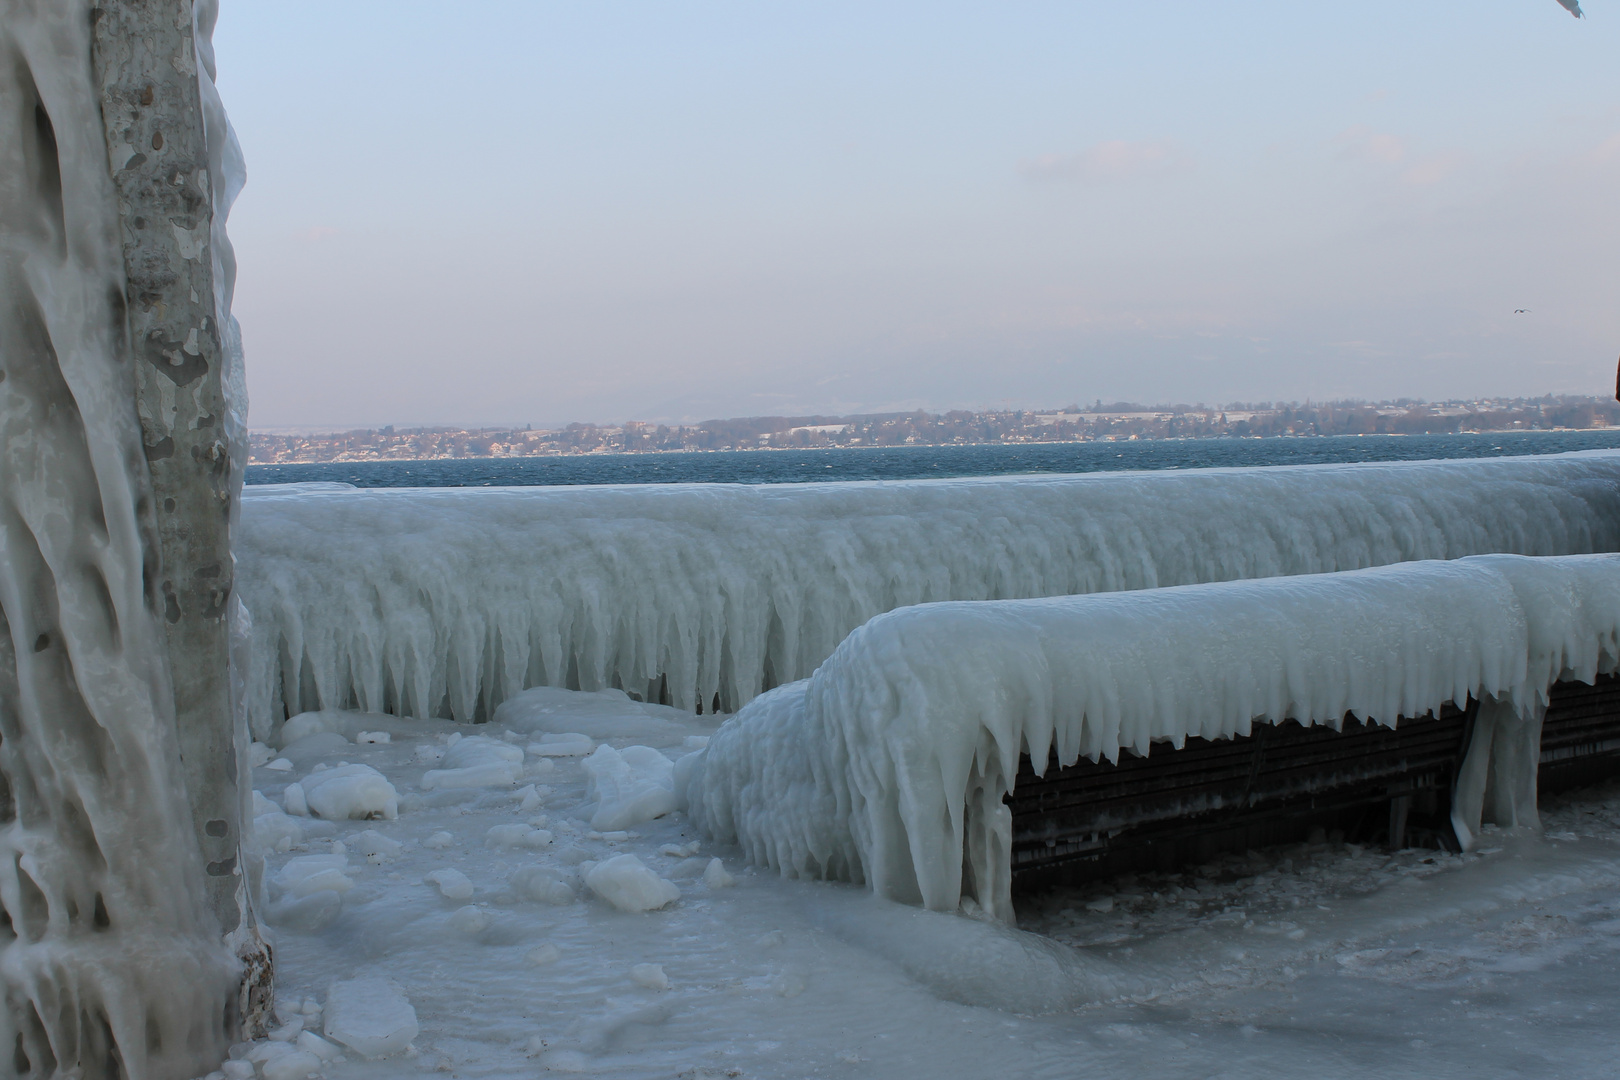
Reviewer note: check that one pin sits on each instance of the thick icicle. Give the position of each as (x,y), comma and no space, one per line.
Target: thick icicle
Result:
(889,763)
(441,602)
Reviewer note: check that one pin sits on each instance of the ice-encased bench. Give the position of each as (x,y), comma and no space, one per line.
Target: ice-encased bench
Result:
(892,763)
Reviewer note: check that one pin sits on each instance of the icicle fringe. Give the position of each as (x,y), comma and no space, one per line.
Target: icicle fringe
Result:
(889,764)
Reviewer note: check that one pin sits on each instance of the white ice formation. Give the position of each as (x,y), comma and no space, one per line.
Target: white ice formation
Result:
(889,764)
(428,602)
(628,787)
(474,762)
(111,958)
(370,1016)
(452,884)
(350,791)
(626,882)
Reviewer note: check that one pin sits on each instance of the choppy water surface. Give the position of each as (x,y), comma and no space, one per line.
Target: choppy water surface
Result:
(910,463)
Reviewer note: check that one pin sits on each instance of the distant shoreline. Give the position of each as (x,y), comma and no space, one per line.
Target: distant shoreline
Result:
(607,452)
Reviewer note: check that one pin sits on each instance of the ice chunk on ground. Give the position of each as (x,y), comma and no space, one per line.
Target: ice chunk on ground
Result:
(625,882)
(262,805)
(311,1043)
(689,868)
(374,845)
(268,1051)
(276,831)
(469,920)
(435,595)
(715,876)
(630,786)
(542,884)
(453,884)
(306,874)
(476,761)
(351,791)
(370,1017)
(567,744)
(305,724)
(296,1065)
(651,976)
(438,841)
(889,765)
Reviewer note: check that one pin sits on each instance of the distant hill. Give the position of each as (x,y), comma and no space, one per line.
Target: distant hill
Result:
(1073,423)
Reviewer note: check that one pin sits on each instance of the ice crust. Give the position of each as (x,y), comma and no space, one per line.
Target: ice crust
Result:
(435,602)
(775,977)
(370,1016)
(890,763)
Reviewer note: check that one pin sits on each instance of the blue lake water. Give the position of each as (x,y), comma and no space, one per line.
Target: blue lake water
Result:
(917,462)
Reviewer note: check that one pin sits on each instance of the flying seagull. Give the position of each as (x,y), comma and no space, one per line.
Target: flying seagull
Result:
(1571,6)
(1521,311)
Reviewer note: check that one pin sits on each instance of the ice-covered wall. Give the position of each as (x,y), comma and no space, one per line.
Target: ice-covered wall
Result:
(118,805)
(424,601)
(889,764)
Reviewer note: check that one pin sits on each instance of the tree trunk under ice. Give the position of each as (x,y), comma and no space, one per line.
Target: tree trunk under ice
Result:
(127,942)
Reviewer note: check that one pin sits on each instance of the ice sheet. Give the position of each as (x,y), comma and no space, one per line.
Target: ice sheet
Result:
(435,602)
(1313,960)
(890,763)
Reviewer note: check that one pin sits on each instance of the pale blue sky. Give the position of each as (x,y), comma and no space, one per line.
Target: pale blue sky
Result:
(507,212)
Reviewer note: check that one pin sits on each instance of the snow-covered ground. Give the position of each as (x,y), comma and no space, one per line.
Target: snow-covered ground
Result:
(1322,959)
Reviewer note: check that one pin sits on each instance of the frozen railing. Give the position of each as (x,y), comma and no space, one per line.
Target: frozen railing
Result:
(432,602)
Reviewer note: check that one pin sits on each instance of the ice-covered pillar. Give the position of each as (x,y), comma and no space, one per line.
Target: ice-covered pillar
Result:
(120,815)
(155,110)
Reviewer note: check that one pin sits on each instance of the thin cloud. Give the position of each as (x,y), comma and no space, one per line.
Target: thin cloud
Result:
(1113,162)
(1608,149)
(1435,168)
(1360,142)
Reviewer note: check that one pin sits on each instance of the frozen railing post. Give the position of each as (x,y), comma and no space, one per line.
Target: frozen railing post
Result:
(128,944)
